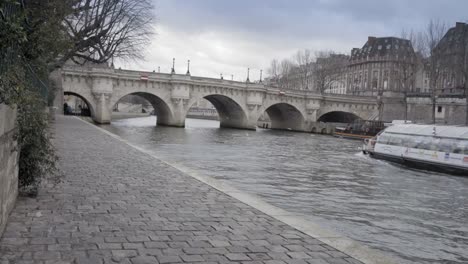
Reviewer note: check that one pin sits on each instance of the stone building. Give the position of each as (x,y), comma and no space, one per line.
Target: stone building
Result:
(383,66)
(422,81)
(453,53)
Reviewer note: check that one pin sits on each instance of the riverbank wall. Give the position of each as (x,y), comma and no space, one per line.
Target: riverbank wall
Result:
(8,163)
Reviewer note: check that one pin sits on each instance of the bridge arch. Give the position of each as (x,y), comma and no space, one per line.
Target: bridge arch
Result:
(285,116)
(88,101)
(338,117)
(162,109)
(230,111)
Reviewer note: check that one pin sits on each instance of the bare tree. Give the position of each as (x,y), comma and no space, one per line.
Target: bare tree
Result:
(100,30)
(328,68)
(274,71)
(408,65)
(286,67)
(303,59)
(431,37)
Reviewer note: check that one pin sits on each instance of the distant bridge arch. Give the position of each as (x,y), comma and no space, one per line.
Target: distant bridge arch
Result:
(285,116)
(338,117)
(86,99)
(230,111)
(161,108)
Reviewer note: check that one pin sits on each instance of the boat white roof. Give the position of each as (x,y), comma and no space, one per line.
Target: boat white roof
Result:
(428,130)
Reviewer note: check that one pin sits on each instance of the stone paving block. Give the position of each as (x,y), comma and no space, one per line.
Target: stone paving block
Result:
(89,260)
(59,247)
(155,245)
(237,256)
(138,238)
(192,258)
(259,256)
(144,260)
(298,255)
(109,245)
(169,259)
(43,241)
(124,253)
(317,261)
(195,251)
(46,255)
(337,261)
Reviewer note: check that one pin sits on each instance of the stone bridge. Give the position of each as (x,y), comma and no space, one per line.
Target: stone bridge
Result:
(239,104)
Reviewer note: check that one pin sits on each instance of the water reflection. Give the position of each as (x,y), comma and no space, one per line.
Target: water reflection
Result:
(416,216)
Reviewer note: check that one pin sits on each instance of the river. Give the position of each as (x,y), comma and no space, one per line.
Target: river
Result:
(414,216)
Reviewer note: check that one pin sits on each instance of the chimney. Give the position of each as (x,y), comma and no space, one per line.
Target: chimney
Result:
(371,39)
(459,25)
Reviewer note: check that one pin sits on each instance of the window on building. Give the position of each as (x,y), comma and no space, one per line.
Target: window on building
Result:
(379,47)
(439,109)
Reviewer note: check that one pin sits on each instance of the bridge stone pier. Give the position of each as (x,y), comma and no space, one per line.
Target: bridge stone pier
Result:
(239,104)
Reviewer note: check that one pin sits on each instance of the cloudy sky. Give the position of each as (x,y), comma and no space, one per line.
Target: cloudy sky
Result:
(228,36)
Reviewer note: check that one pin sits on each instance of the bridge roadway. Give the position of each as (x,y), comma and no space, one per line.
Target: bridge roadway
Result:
(239,104)
(117,204)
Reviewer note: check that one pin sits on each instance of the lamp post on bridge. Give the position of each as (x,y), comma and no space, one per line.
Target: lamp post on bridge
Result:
(261,72)
(248,75)
(188,68)
(173,66)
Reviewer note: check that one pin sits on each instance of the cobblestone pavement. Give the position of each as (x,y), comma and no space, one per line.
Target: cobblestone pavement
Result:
(118,205)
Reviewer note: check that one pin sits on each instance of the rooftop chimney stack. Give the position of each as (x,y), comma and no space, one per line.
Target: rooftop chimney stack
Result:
(459,25)
(371,40)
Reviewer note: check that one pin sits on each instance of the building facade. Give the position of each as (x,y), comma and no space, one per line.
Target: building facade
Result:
(452,52)
(383,66)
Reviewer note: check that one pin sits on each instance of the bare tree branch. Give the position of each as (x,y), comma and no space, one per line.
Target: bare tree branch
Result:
(101,30)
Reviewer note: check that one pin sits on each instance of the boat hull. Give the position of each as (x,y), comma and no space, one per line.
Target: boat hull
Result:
(421,164)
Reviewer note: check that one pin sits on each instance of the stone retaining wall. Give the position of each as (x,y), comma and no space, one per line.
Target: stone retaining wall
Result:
(8,163)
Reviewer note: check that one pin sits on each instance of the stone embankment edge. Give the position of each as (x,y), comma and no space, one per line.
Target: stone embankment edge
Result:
(297,221)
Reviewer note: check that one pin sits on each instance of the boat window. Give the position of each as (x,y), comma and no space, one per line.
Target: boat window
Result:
(446,145)
(434,145)
(458,146)
(465,144)
(425,143)
(396,140)
(416,142)
(383,139)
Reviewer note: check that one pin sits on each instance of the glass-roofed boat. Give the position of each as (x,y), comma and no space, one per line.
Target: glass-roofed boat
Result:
(433,147)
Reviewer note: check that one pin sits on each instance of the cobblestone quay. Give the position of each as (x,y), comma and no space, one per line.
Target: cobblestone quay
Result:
(119,205)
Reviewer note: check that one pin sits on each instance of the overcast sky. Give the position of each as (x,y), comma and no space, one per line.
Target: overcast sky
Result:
(228,36)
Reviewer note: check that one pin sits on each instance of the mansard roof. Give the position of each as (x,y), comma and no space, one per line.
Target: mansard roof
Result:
(380,47)
(455,38)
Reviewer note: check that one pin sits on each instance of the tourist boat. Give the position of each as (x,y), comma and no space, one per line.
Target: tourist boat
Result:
(440,148)
(361,129)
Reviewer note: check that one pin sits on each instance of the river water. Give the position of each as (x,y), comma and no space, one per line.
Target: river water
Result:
(411,215)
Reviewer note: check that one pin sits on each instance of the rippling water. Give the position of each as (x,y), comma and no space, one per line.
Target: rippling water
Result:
(415,216)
